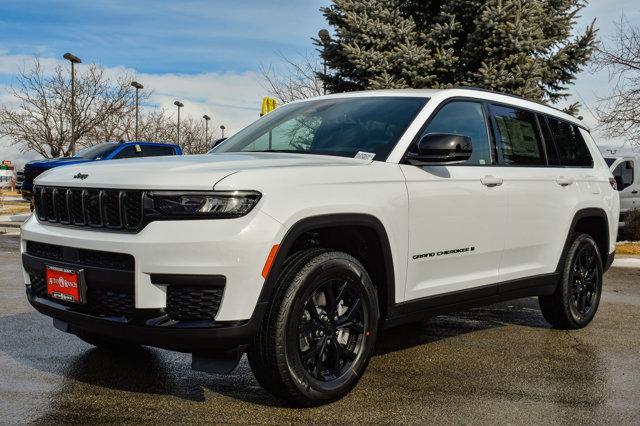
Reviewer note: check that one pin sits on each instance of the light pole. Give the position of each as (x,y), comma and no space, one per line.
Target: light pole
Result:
(179,105)
(74,60)
(222,129)
(138,86)
(206,128)
(325,39)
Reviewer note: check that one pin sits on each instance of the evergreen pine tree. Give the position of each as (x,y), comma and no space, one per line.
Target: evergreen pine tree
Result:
(523,47)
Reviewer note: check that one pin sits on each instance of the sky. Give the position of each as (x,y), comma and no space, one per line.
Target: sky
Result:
(206,53)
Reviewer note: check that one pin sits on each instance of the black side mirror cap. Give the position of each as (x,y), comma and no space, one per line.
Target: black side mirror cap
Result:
(441,149)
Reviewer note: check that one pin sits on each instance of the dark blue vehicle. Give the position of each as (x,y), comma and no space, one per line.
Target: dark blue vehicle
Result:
(101,152)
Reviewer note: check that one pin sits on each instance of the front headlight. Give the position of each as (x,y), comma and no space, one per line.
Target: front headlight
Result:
(203,204)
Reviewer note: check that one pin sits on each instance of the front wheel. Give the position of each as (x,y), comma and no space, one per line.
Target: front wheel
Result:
(319,331)
(576,299)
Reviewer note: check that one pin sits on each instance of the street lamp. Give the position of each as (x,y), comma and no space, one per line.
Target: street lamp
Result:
(138,86)
(179,105)
(325,39)
(222,129)
(206,128)
(74,60)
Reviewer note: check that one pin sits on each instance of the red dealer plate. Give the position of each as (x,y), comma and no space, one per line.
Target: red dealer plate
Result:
(63,284)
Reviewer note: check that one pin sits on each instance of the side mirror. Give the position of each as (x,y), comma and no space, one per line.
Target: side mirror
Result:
(442,148)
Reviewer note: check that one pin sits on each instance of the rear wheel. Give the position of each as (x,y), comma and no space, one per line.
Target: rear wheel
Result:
(319,330)
(576,299)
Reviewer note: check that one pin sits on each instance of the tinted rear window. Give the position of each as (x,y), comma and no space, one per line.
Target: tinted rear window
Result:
(157,151)
(572,149)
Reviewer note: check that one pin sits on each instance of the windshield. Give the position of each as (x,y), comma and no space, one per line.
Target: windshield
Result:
(96,152)
(369,127)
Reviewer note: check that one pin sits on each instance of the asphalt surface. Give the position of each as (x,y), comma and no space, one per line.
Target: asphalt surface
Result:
(499,364)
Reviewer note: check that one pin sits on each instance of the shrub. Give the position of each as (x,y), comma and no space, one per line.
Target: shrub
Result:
(632,226)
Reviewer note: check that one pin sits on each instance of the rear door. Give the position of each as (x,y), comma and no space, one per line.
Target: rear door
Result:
(541,194)
(456,212)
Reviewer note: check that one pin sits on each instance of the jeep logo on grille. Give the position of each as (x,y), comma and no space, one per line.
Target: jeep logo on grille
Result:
(81,176)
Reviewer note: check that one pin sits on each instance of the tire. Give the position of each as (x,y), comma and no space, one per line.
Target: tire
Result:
(575,301)
(319,329)
(106,343)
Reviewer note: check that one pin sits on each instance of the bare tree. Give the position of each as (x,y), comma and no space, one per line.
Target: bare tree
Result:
(300,81)
(41,122)
(192,136)
(619,113)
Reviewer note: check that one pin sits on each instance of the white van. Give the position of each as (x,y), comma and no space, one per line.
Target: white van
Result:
(627,175)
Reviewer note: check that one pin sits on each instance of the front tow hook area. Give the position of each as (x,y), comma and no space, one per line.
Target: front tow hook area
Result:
(222,362)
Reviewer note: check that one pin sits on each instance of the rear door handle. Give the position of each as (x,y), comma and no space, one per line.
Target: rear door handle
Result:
(563,181)
(491,181)
(634,192)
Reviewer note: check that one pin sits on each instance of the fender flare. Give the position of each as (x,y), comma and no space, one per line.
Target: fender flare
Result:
(325,221)
(582,214)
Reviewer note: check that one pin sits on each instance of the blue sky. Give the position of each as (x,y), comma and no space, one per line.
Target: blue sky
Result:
(205,53)
(188,37)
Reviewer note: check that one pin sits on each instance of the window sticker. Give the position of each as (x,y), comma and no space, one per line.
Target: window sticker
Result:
(362,155)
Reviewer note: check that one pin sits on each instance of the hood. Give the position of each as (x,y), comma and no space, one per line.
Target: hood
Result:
(195,172)
(47,163)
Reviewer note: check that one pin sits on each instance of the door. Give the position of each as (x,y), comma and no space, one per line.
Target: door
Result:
(456,212)
(623,170)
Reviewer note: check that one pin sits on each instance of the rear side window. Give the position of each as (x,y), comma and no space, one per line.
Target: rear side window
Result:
(518,136)
(552,153)
(624,175)
(572,149)
(157,151)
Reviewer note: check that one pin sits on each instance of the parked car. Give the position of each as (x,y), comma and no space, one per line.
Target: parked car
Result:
(626,172)
(100,152)
(19,180)
(302,236)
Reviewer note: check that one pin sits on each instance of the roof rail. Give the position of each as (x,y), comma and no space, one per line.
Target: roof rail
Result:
(482,89)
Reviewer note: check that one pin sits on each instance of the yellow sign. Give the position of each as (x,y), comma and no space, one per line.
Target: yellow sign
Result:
(268,105)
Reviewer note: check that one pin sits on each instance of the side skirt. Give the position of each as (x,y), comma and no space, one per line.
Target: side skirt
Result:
(415,310)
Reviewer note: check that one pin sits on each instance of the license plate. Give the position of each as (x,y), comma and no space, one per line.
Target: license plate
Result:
(64,284)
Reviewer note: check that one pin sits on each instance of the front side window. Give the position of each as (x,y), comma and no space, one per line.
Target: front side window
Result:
(572,148)
(623,175)
(131,151)
(466,119)
(341,127)
(519,138)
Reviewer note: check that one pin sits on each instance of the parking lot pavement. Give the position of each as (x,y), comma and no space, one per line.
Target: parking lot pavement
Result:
(499,364)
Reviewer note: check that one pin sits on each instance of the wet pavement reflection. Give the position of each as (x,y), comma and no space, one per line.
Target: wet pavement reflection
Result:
(498,364)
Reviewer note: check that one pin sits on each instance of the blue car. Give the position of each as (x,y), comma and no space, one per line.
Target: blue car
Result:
(101,152)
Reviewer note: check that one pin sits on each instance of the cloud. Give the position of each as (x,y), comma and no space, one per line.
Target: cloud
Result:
(232,99)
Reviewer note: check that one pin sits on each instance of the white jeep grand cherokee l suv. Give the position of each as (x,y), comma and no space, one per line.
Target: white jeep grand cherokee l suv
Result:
(299,238)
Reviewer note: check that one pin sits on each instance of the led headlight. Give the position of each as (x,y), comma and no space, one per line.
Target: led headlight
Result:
(204,204)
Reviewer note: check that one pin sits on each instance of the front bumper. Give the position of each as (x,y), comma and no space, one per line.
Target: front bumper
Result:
(234,248)
(147,329)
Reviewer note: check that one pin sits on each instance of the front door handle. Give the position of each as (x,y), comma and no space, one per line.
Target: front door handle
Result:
(634,192)
(491,181)
(564,181)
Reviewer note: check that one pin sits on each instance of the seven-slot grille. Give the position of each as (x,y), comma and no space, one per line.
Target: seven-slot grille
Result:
(96,208)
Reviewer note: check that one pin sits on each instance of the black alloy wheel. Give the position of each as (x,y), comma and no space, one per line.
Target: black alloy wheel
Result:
(331,329)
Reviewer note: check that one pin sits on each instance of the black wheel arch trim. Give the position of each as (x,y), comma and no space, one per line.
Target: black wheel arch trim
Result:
(329,221)
(584,214)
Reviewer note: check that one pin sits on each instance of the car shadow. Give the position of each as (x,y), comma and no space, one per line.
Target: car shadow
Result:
(31,340)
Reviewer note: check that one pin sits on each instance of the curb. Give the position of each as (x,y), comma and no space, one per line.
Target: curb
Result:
(10,224)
